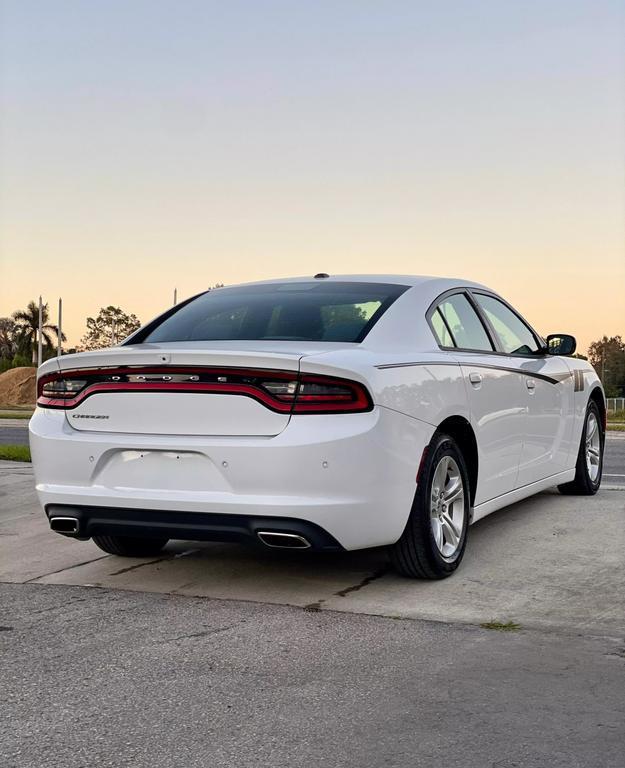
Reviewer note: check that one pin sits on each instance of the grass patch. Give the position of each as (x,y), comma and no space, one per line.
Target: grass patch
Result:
(616,415)
(15,452)
(15,414)
(501,626)
(616,427)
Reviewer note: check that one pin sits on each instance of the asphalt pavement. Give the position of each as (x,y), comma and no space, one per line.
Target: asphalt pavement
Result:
(614,459)
(98,677)
(216,655)
(14,431)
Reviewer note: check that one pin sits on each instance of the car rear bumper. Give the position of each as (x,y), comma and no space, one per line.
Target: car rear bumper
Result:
(350,476)
(278,532)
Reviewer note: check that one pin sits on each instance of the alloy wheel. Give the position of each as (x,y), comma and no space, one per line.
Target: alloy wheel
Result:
(447,508)
(593,446)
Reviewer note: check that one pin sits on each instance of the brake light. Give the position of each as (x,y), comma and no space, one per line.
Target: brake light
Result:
(319,394)
(315,394)
(281,391)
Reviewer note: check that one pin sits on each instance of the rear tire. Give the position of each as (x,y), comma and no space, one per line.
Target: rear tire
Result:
(130,546)
(434,539)
(589,467)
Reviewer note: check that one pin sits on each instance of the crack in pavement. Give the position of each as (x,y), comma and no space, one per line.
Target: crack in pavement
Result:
(367,580)
(204,633)
(175,556)
(318,605)
(140,565)
(66,568)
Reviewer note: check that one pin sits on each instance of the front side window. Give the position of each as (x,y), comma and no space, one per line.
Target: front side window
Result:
(306,311)
(515,336)
(463,323)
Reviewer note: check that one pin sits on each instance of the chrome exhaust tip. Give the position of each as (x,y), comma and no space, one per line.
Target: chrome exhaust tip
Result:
(66,525)
(278,540)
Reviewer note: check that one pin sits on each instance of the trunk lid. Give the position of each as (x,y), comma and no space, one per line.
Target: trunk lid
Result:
(155,392)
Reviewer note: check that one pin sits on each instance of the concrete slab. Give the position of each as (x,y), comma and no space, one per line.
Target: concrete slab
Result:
(550,562)
(27,550)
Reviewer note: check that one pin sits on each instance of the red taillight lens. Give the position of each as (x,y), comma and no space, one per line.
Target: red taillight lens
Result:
(320,394)
(326,394)
(280,391)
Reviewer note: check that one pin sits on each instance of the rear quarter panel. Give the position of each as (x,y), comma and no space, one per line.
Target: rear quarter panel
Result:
(428,387)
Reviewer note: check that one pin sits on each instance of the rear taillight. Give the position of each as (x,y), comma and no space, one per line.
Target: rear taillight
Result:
(281,391)
(63,388)
(326,394)
(56,391)
(320,394)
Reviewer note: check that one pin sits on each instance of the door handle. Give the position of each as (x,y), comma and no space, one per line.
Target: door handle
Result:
(530,384)
(475,378)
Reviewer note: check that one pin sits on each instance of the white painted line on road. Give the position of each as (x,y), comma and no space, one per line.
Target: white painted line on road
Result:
(605,474)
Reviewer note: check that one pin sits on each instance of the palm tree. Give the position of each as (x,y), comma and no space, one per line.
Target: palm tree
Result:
(27,322)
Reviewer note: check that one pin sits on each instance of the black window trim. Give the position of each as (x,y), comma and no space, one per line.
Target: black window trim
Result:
(494,339)
(446,324)
(467,294)
(540,342)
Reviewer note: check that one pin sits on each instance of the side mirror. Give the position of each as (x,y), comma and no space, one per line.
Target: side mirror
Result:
(561,344)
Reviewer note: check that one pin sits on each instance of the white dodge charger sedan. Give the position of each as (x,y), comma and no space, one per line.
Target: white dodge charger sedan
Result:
(321,413)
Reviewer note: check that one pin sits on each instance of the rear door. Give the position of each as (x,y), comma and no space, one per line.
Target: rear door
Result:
(495,394)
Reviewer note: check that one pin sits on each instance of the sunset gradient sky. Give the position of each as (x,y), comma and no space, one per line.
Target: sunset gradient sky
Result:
(152,145)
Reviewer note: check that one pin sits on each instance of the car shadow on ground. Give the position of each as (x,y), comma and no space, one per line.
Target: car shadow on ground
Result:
(495,529)
(511,536)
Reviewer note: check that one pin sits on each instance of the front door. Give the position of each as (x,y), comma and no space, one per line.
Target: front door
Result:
(550,416)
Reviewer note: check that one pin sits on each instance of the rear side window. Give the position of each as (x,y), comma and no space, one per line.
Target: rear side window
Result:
(462,322)
(515,336)
(440,330)
(307,311)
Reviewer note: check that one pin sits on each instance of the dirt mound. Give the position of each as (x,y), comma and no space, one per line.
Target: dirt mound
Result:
(17,387)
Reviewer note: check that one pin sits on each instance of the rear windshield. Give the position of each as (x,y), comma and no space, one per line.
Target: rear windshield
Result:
(315,311)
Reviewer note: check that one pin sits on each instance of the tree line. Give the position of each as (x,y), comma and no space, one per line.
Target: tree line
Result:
(19,334)
(19,337)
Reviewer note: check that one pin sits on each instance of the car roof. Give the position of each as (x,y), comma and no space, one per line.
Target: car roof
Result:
(442,283)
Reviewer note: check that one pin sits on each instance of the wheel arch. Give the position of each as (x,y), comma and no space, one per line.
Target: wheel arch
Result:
(462,432)
(597,395)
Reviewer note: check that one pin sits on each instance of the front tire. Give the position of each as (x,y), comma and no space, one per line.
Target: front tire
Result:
(130,546)
(434,539)
(589,467)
